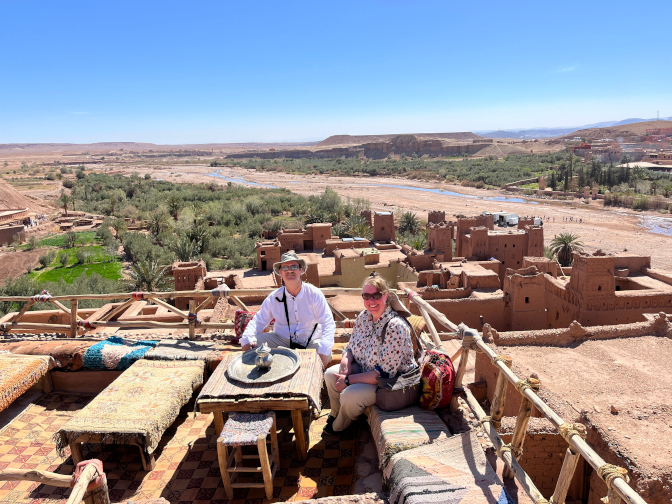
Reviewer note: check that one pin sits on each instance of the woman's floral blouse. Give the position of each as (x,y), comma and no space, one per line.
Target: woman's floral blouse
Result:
(396,356)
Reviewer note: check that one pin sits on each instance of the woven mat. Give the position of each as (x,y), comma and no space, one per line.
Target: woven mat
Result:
(306,382)
(116,354)
(183,350)
(68,354)
(138,406)
(451,471)
(187,470)
(20,372)
(408,428)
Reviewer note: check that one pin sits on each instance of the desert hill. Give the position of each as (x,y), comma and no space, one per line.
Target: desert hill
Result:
(626,130)
(362,139)
(11,198)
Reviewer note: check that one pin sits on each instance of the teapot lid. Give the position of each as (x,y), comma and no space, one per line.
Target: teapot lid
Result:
(264,348)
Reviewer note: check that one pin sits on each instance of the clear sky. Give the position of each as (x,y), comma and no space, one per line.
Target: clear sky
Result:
(199,72)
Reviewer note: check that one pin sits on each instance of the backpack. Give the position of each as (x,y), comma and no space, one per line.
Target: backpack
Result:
(438,380)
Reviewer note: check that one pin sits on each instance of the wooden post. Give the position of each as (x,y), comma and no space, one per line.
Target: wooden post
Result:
(299,434)
(430,327)
(89,474)
(497,409)
(565,478)
(265,466)
(192,325)
(520,431)
(23,310)
(239,303)
(73,318)
(461,369)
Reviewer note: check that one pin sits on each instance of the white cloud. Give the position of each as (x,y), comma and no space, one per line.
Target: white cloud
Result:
(567,69)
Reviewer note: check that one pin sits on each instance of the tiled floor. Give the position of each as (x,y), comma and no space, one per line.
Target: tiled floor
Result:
(186,470)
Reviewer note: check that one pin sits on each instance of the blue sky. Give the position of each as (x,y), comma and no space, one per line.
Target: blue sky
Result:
(200,72)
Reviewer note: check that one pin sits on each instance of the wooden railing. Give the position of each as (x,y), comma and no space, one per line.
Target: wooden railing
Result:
(472,341)
(189,321)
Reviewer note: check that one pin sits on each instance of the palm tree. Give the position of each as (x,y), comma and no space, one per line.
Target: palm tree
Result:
(184,249)
(564,245)
(149,276)
(65,200)
(158,223)
(409,223)
(357,227)
(175,204)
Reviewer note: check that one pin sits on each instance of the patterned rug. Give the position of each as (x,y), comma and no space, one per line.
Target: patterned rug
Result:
(186,471)
(18,373)
(67,353)
(183,350)
(451,471)
(138,406)
(116,354)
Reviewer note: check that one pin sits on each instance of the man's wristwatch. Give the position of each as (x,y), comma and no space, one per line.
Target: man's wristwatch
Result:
(347,381)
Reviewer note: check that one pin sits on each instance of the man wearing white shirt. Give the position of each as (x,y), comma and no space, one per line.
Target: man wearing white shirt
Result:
(302,315)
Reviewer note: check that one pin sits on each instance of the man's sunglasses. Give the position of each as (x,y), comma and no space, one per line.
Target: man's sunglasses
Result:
(375,296)
(293,267)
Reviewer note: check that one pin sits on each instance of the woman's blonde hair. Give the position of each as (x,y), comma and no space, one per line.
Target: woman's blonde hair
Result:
(378,282)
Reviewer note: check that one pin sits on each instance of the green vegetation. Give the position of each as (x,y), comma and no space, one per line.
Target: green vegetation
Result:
(490,170)
(563,247)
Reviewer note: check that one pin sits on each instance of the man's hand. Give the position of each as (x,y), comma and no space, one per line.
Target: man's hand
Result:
(340,382)
(325,360)
(248,346)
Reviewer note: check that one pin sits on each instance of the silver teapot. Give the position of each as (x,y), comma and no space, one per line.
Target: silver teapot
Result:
(264,359)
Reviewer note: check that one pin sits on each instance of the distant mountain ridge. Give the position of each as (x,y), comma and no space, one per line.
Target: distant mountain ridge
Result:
(555,132)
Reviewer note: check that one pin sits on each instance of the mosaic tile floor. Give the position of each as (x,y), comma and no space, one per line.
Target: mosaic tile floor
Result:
(186,470)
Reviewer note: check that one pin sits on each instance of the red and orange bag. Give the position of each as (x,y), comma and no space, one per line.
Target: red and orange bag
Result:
(438,380)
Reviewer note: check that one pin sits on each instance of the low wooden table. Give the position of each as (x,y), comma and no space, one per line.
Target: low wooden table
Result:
(295,394)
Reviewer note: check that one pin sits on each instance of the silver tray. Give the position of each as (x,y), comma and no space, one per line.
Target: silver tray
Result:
(285,363)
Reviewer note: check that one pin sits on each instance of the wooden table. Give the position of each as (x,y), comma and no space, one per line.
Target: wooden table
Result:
(296,394)
(296,405)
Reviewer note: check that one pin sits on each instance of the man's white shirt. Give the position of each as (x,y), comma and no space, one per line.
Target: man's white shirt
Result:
(308,308)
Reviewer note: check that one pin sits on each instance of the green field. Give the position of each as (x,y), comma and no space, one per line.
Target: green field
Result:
(111,271)
(58,240)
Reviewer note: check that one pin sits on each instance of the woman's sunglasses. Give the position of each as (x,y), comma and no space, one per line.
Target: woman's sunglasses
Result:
(375,296)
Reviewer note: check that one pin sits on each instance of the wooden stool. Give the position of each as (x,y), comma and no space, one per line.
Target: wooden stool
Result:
(243,429)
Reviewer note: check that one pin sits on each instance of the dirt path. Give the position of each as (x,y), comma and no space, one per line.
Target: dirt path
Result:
(601,228)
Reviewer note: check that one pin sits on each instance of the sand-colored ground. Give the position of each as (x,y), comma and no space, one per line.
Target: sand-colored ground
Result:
(612,230)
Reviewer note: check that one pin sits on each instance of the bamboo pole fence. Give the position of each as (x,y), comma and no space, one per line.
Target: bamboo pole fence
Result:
(615,477)
(190,320)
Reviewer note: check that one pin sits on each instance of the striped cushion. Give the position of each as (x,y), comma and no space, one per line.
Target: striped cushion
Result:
(395,431)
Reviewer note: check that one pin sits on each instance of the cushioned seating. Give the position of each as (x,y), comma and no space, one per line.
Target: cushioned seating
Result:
(395,431)
(68,354)
(136,408)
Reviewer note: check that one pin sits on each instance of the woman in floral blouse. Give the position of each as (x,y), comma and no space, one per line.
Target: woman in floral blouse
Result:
(352,384)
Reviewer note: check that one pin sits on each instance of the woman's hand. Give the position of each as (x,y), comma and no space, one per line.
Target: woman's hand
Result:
(340,382)
(346,367)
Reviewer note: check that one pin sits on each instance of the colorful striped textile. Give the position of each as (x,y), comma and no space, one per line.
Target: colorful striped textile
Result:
(20,372)
(395,431)
(116,354)
(137,407)
(451,471)
(307,382)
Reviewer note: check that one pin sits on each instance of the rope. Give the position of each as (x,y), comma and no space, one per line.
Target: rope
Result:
(3,327)
(527,383)
(137,296)
(567,430)
(497,358)
(85,324)
(192,318)
(495,423)
(221,291)
(42,298)
(609,473)
(469,342)
(513,450)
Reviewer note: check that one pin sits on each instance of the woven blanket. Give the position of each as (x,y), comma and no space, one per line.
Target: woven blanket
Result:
(307,382)
(68,354)
(116,354)
(136,407)
(20,372)
(183,350)
(245,428)
(395,431)
(451,471)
